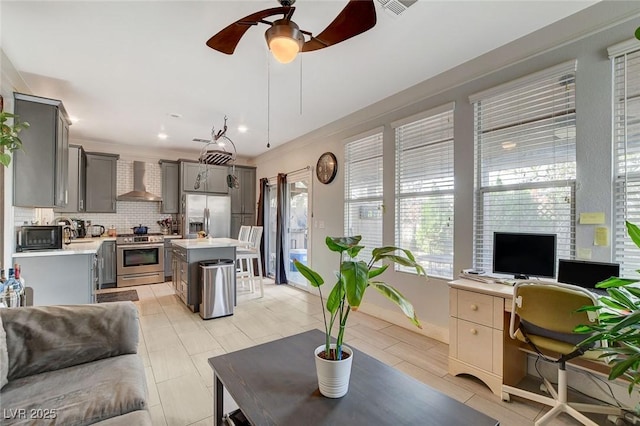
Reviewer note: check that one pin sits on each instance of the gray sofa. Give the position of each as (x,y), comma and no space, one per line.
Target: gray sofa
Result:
(72,365)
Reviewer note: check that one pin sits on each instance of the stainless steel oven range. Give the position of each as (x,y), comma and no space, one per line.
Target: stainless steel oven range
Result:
(140,259)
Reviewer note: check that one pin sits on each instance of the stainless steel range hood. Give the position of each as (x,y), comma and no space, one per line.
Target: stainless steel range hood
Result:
(139,192)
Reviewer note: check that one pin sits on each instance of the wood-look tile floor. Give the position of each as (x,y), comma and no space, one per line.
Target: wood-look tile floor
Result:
(175,345)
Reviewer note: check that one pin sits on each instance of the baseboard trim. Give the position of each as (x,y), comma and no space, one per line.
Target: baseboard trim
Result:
(440,334)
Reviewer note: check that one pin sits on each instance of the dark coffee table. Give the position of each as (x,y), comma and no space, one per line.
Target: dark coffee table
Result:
(275,384)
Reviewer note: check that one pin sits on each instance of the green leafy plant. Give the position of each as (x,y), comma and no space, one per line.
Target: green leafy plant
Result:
(619,323)
(9,140)
(353,279)
(638,33)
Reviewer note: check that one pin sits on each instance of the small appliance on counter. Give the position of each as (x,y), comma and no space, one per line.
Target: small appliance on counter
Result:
(81,227)
(96,230)
(39,237)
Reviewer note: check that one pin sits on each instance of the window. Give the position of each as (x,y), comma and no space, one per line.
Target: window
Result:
(424,189)
(626,140)
(363,190)
(525,160)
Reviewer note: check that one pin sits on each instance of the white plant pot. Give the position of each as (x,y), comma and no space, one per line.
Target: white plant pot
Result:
(333,376)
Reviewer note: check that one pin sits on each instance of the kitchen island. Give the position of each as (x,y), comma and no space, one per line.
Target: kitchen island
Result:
(62,277)
(187,253)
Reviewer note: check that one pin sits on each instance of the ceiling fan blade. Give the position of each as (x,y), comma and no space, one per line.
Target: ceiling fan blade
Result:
(227,39)
(357,17)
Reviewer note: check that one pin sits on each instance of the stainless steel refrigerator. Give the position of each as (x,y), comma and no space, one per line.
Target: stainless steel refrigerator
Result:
(208,213)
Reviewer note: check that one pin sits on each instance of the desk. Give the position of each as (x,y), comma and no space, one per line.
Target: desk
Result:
(276,384)
(479,341)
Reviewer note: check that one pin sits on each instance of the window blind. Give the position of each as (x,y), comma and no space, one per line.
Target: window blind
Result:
(626,140)
(363,191)
(424,192)
(525,161)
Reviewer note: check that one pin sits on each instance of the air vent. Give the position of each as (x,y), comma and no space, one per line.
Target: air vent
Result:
(396,7)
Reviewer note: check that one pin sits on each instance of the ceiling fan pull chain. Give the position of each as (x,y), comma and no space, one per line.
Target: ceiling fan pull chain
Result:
(300,85)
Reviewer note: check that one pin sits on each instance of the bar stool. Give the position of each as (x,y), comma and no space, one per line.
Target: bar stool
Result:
(243,236)
(248,254)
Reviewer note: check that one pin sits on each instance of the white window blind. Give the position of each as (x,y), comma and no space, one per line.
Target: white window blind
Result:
(525,161)
(363,191)
(626,140)
(424,191)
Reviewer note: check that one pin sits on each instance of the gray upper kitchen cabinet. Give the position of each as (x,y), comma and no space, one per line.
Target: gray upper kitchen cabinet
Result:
(107,263)
(243,199)
(40,169)
(77,180)
(213,179)
(101,182)
(170,186)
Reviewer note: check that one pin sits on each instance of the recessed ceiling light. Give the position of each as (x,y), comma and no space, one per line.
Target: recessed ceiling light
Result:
(162,136)
(242,129)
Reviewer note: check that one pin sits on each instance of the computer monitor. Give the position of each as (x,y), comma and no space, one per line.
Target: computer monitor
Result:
(524,255)
(585,273)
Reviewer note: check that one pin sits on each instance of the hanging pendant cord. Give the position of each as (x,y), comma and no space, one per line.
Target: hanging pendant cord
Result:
(268,102)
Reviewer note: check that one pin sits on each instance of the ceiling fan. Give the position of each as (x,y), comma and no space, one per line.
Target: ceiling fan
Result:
(285,39)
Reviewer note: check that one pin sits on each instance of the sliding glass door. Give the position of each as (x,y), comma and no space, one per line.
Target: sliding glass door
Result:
(297,212)
(296,243)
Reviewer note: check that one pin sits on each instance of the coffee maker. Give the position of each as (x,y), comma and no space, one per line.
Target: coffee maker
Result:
(81,227)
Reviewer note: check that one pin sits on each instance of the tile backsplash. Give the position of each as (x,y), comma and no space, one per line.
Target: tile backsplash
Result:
(129,213)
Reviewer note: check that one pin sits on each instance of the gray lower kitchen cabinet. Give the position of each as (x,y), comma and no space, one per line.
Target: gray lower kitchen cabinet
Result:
(213,179)
(60,280)
(170,186)
(181,274)
(77,181)
(186,277)
(40,169)
(107,263)
(168,260)
(101,182)
(237,220)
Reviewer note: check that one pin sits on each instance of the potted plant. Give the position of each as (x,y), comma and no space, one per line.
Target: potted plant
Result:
(619,323)
(353,279)
(9,140)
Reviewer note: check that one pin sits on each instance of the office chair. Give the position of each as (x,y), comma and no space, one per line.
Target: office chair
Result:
(544,316)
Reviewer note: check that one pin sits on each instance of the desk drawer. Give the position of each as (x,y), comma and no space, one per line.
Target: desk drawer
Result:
(475,344)
(475,307)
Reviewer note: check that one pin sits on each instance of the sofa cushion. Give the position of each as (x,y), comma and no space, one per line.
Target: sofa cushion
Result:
(4,356)
(137,418)
(44,338)
(78,395)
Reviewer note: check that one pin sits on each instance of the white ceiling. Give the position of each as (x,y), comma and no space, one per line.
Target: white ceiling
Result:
(123,67)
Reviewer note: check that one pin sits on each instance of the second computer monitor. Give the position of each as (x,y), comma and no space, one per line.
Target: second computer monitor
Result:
(585,273)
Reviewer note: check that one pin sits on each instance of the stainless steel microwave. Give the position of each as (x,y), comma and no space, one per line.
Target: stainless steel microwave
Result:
(39,237)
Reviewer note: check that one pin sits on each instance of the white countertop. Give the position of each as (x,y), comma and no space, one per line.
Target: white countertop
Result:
(77,246)
(203,243)
(172,237)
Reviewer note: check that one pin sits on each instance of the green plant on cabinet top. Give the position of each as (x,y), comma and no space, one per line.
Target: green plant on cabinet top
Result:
(9,140)
(354,277)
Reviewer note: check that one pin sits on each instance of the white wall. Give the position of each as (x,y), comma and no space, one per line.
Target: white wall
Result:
(532,53)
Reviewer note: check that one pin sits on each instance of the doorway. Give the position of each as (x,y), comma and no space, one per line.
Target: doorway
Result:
(297,214)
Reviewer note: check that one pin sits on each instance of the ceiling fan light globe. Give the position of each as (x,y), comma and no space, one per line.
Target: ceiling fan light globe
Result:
(284,49)
(284,40)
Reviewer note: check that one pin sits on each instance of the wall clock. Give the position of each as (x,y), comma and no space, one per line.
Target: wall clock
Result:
(327,167)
